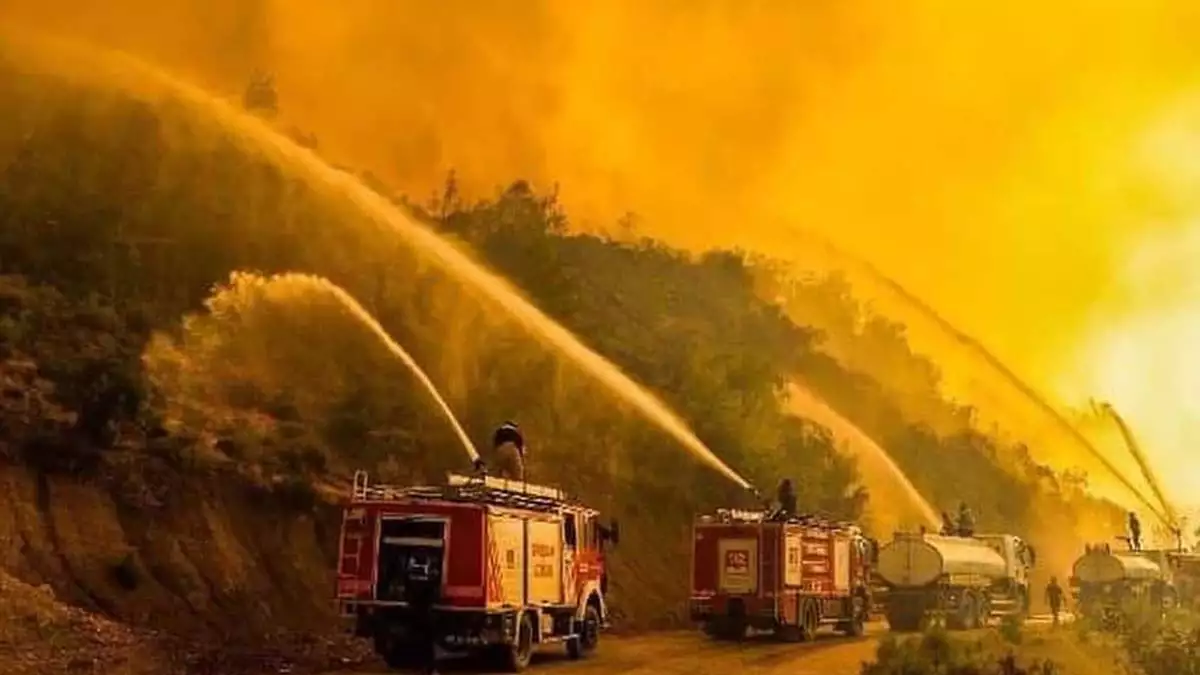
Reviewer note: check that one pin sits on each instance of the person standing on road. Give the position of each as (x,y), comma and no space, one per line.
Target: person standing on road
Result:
(1054,598)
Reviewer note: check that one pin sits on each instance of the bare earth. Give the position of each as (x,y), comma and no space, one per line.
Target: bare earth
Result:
(689,653)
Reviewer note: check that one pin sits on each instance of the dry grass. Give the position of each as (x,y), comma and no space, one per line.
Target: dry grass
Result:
(40,635)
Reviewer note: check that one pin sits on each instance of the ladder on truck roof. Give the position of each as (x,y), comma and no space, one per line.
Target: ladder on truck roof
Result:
(473,489)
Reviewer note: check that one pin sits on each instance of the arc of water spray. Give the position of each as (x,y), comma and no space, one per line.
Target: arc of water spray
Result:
(1135,449)
(974,345)
(360,313)
(822,413)
(382,211)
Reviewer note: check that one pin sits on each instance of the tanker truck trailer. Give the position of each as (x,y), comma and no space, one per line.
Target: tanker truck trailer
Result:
(964,581)
(1105,582)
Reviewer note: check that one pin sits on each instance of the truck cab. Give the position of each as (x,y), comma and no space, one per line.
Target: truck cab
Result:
(1019,556)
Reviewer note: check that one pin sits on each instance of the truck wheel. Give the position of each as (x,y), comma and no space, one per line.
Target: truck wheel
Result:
(589,634)
(985,613)
(857,625)
(809,620)
(968,612)
(517,656)
(1022,605)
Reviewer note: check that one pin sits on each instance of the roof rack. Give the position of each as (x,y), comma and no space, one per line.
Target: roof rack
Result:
(807,519)
(475,489)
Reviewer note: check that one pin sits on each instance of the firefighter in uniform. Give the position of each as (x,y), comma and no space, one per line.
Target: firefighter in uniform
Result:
(949,529)
(1054,598)
(966,521)
(1135,532)
(787,498)
(508,446)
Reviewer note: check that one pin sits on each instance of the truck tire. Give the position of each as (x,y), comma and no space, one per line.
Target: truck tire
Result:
(810,619)
(589,634)
(515,657)
(985,612)
(1022,604)
(856,625)
(967,615)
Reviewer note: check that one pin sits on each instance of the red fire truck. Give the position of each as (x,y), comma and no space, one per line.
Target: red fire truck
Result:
(789,575)
(521,565)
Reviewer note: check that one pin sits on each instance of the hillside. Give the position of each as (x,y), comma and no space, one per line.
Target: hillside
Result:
(174,423)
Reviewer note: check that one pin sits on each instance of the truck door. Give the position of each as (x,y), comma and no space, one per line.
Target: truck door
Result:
(738,564)
(1023,556)
(574,540)
(841,564)
(544,567)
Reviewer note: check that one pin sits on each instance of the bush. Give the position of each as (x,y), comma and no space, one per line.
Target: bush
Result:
(1011,628)
(937,653)
(1164,645)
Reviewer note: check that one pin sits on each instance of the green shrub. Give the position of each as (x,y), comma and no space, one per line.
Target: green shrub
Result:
(938,653)
(1011,629)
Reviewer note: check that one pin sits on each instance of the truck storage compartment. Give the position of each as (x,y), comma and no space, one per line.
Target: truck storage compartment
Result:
(400,539)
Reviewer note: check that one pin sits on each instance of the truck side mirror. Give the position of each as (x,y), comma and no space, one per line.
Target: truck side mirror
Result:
(611,533)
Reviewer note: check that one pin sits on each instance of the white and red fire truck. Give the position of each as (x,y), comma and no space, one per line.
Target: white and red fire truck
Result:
(521,565)
(787,575)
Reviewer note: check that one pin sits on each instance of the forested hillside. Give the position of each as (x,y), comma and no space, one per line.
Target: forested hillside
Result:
(132,363)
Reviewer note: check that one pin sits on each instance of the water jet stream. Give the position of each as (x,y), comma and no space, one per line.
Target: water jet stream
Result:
(309,283)
(878,468)
(1143,464)
(974,346)
(122,68)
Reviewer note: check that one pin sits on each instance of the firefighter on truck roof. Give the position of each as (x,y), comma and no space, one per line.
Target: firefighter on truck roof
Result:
(508,450)
(1135,532)
(786,495)
(966,521)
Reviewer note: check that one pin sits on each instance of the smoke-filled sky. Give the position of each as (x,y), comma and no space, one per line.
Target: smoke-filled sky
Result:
(1028,167)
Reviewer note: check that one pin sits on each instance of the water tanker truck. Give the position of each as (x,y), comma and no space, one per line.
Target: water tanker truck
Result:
(1185,569)
(964,581)
(1105,582)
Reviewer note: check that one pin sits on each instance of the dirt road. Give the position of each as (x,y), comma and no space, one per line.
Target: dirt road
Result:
(689,653)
